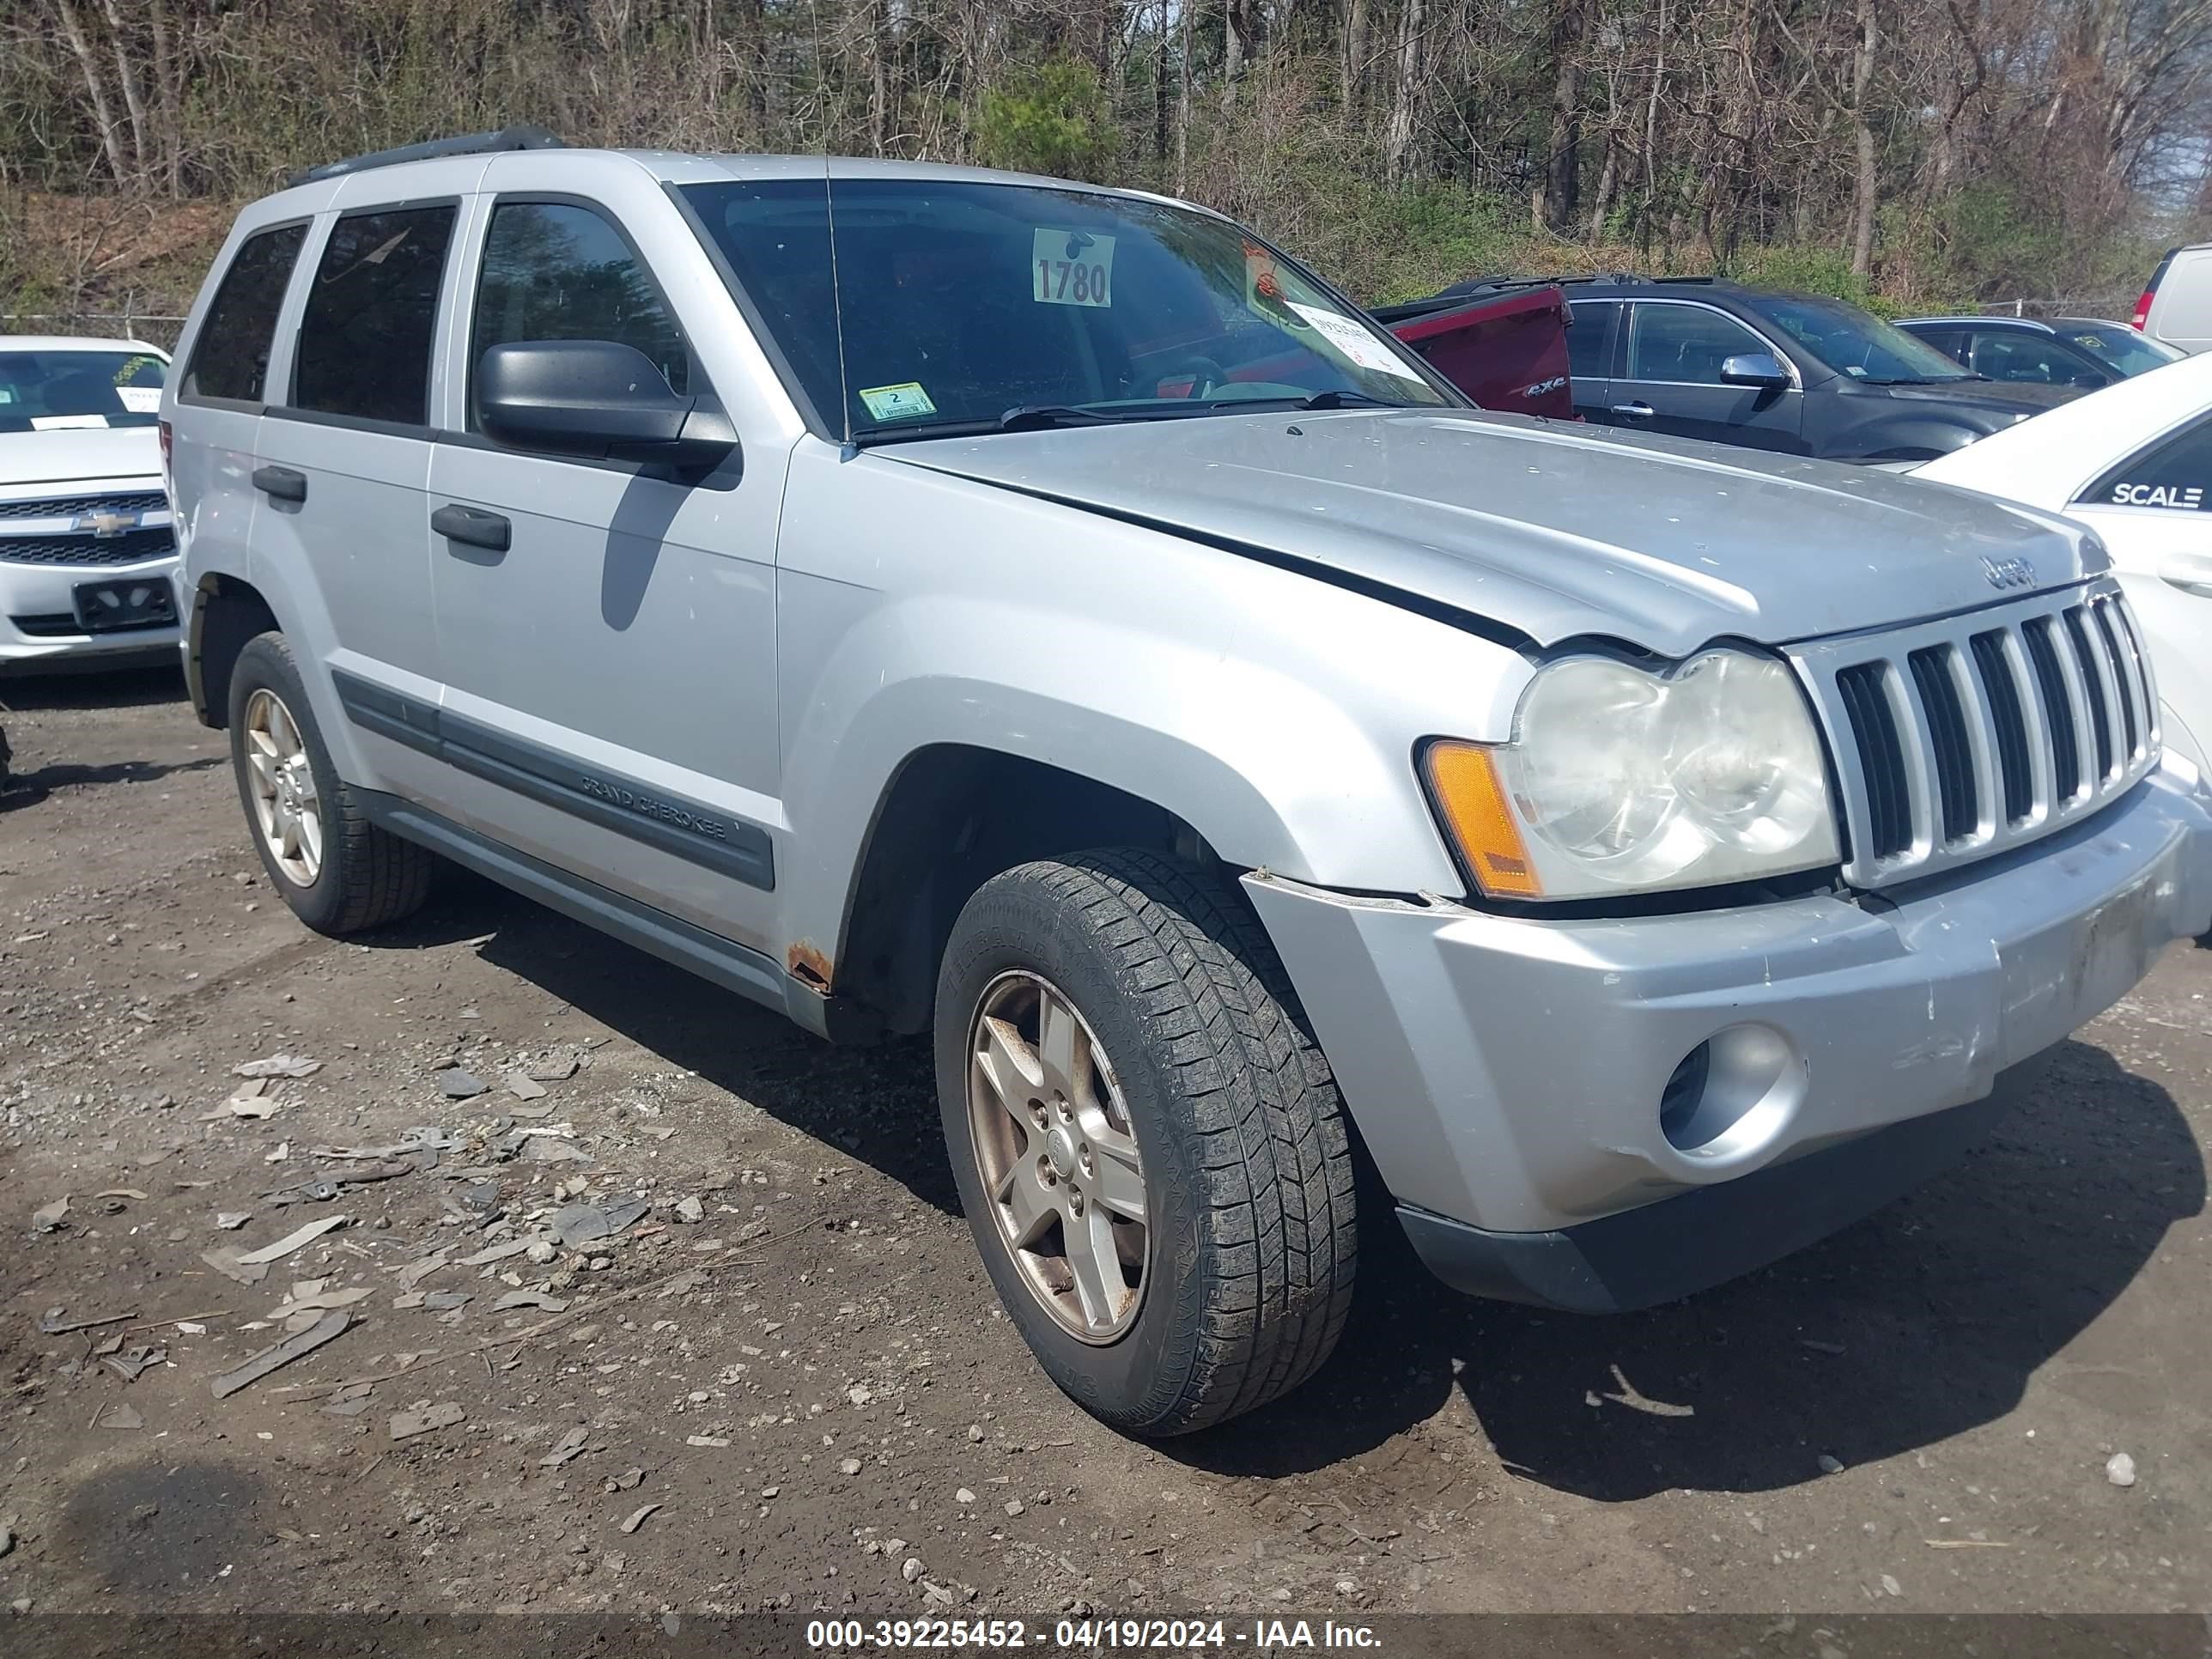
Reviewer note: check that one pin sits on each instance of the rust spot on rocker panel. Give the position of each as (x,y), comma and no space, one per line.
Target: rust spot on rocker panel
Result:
(809,966)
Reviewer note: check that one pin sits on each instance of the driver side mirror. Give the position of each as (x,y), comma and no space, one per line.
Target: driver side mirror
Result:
(596,400)
(1760,369)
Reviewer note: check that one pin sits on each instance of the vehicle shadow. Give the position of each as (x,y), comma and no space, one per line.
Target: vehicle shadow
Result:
(878,1104)
(28,789)
(122,688)
(1917,1324)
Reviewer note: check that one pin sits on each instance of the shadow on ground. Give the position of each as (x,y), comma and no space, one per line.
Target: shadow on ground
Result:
(878,1103)
(1922,1321)
(129,687)
(1919,1324)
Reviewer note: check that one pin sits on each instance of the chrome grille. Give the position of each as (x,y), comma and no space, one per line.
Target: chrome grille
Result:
(143,502)
(1958,739)
(131,547)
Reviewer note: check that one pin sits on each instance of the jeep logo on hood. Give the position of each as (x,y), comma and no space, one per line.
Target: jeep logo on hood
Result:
(2008,572)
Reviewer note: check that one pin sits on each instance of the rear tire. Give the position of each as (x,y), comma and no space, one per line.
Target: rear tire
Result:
(348,876)
(1249,1225)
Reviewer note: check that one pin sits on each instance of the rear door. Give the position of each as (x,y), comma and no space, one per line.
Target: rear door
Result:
(1672,370)
(2153,512)
(343,459)
(1590,341)
(608,630)
(2181,306)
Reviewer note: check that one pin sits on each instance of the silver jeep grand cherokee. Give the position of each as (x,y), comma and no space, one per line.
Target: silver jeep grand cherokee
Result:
(1053,619)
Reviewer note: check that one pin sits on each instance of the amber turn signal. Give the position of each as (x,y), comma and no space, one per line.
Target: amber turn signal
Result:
(1472,803)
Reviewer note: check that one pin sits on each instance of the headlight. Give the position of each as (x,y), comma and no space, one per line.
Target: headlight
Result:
(1619,780)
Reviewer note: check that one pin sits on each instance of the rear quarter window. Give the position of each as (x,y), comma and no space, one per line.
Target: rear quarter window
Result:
(230,359)
(1589,339)
(2173,475)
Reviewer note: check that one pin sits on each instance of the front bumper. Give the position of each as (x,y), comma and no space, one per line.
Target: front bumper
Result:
(1507,1074)
(37,616)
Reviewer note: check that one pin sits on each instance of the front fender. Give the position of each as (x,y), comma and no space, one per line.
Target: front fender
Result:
(1276,714)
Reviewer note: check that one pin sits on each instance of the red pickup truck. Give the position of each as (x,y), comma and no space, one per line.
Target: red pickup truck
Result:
(1503,343)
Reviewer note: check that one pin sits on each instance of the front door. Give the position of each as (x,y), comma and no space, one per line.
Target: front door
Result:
(1672,370)
(2153,512)
(608,635)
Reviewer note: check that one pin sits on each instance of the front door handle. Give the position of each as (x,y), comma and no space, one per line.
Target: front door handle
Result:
(281,483)
(474,526)
(2190,571)
(1635,412)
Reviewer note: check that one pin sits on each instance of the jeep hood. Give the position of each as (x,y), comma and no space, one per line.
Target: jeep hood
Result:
(1553,529)
(80,455)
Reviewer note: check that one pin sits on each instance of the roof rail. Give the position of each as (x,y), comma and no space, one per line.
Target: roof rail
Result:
(471,144)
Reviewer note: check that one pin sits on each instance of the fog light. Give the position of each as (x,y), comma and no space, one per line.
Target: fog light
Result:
(1731,1094)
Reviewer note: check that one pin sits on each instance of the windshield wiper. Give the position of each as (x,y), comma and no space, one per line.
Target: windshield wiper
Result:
(1332,399)
(1040,417)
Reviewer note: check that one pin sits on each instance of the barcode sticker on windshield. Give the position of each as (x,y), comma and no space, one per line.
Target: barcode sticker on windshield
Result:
(1071,268)
(1352,341)
(140,399)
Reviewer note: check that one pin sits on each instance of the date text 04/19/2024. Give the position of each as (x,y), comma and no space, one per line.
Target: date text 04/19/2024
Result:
(1089,1635)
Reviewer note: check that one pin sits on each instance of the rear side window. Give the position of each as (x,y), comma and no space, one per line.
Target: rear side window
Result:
(553,270)
(2175,474)
(230,359)
(1590,342)
(1686,345)
(365,338)
(1951,342)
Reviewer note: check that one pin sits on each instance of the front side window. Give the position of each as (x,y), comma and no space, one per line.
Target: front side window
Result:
(2174,474)
(1685,344)
(1951,342)
(372,310)
(912,307)
(230,359)
(2015,356)
(1589,341)
(1858,343)
(2121,348)
(51,390)
(553,270)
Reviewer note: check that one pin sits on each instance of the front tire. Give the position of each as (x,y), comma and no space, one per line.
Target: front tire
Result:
(1148,1143)
(337,872)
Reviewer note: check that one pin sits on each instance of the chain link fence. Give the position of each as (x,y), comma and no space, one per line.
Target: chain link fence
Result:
(151,327)
(2112,308)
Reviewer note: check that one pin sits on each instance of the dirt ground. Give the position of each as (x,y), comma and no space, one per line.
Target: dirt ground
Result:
(806,1399)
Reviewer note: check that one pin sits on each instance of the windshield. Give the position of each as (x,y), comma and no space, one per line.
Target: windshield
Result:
(983,307)
(1858,343)
(2120,346)
(58,388)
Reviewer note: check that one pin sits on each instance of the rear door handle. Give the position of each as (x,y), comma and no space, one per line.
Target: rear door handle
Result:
(474,526)
(2190,571)
(1636,411)
(281,483)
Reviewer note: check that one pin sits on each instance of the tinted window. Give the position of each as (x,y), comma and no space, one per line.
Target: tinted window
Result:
(231,357)
(2016,356)
(365,340)
(1856,342)
(950,303)
(1590,342)
(2120,347)
(554,271)
(1951,342)
(49,390)
(1685,343)
(2174,473)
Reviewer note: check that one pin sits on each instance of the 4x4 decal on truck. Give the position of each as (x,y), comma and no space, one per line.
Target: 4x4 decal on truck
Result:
(687,829)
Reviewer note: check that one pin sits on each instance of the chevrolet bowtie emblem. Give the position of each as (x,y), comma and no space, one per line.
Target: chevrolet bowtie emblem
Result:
(104,522)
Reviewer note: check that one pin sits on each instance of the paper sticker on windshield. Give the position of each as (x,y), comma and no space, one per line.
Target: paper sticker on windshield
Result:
(140,399)
(67,423)
(1351,341)
(903,402)
(1071,268)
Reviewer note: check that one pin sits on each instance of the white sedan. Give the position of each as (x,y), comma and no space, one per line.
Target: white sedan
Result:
(2134,462)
